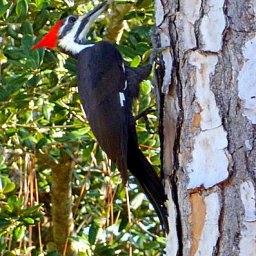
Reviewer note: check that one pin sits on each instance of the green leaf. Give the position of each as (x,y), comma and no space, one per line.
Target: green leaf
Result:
(55,152)
(41,19)
(30,211)
(39,3)
(42,142)
(128,51)
(18,233)
(33,82)
(21,8)
(53,78)
(27,28)
(136,61)
(142,47)
(161,240)
(14,203)
(50,60)
(33,56)
(4,6)
(12,31)
(28,220)
(11,131)
(9,187)
(13,53)
(93,232)
(87,151)
(4,95)
(130,15)
(47,110)
(143,3)
(27,43)
(145,87)
(4,222)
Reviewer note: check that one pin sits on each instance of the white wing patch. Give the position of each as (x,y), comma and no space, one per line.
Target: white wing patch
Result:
(122,98)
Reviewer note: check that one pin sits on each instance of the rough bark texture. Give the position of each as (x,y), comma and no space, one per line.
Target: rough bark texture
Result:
(208,124)
(61,199)
(62,218)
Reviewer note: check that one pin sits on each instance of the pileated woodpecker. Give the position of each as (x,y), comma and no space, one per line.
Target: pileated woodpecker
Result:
(107,88)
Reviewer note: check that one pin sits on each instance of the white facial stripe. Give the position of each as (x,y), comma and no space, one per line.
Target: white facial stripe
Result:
(68,43)
(122,98)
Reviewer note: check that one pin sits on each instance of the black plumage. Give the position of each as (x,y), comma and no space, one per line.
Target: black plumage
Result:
(101,77)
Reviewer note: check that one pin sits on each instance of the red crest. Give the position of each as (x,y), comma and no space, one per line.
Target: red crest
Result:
(50,39)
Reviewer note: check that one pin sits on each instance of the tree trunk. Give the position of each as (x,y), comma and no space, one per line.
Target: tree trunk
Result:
(208,124)
(61,195)
(62,218)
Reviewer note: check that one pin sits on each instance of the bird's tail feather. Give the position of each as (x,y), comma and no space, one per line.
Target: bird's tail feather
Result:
(148,179)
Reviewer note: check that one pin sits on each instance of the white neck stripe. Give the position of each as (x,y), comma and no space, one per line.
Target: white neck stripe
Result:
(68,44)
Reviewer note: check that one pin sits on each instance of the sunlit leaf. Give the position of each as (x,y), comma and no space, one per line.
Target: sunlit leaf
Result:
(47,110)
(4,6)
(28,220)
(136,61)
(9,187)
(145,87)
(14,203)
(19,233)
(21,8)
(30,211)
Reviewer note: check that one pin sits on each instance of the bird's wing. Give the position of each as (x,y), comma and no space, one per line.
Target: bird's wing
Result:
(135,76)
(101,81)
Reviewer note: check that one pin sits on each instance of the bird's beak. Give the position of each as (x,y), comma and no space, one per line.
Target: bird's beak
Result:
(88,19)
(93,15)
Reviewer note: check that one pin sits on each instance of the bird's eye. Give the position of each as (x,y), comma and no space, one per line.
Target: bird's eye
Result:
(72,19)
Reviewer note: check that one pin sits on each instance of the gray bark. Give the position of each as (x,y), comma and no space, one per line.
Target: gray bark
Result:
(208,124)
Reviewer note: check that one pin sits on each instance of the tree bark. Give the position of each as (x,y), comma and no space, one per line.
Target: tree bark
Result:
(61,199)
(62,217)
(208,85)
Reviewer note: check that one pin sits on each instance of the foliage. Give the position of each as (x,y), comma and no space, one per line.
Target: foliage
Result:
(40,115)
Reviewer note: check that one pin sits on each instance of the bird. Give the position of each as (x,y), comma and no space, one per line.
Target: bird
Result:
(107,88)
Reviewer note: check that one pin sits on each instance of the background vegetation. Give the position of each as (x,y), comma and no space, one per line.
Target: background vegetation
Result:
(42,120)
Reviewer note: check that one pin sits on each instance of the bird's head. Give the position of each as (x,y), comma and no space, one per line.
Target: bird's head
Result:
(70,33)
